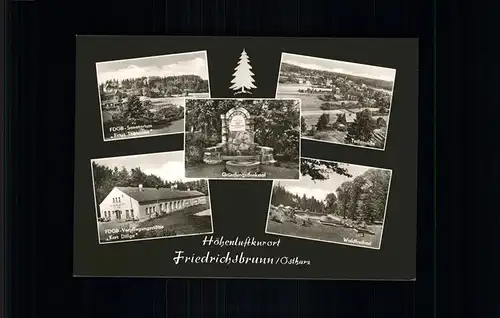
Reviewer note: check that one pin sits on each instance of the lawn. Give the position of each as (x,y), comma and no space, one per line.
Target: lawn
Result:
(205,171)
(287,171)
(180,222)
(183,221)
(307,101)
(322,232)
(334,136)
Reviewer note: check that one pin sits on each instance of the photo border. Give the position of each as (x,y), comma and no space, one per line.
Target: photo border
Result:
(254,98)
(327,59)
(330,242)
(142,58)
(152,238)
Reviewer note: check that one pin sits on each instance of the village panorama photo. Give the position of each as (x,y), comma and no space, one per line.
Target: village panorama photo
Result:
(333,202)
(342,102)
(251,139)
(146,196)
(143,97)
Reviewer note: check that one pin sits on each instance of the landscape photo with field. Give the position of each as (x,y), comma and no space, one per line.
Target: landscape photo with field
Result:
(145,96)
(146,197)
(242,138)
(341,102)
(333,202)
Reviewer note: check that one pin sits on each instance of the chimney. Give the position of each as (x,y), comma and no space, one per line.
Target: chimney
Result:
(140,187)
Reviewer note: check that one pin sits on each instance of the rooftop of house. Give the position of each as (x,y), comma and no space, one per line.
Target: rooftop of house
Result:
(154,194)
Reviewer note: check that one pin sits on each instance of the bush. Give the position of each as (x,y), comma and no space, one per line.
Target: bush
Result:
(307,223)
(303,125)
(312,131)
(322,136)
(327,106)
(195,147)
(277,216)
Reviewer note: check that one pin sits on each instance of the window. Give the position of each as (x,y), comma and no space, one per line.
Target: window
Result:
(132,213)
(127,215)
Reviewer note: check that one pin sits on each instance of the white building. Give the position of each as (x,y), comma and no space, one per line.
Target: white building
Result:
(138,203)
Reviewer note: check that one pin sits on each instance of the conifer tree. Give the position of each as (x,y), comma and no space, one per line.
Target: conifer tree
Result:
(243,81)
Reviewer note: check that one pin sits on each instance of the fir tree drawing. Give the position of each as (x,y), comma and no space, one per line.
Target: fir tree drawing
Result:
(242,77)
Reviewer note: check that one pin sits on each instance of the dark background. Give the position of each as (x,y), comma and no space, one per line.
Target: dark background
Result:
(240,207)
(458,41)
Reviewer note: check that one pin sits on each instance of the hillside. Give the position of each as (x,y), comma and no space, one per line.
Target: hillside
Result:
(287,69)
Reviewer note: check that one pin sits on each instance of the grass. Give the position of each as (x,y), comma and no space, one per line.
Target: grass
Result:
(180,222)
(321,232)
(286,170)
(331,135)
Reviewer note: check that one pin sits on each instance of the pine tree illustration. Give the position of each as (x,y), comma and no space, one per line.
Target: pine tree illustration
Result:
(242,77)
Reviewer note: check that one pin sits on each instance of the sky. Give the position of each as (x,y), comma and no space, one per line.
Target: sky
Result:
(320,188)
(363,70)
(163,65)
(167,165)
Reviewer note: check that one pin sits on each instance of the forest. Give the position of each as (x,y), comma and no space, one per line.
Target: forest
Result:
(362,199)
(276,124)
(154,86)
(105,179)
(318,75)
(136,112)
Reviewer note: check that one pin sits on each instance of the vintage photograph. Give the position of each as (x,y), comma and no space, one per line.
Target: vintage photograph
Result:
(242,138)
(333,202)
(146,196)
(144,97)
(341,102)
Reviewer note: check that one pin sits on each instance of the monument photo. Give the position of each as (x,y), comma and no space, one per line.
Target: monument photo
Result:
(142,197)
(143,97)
(242,138)
(342,102)
(333,202)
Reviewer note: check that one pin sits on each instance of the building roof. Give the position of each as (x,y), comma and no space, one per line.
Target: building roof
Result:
(349,116)
(153,194)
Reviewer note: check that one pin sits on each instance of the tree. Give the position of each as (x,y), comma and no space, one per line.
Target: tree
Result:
(303,125)
(381,122)
(323,122)
(341,119)
(356,194)
(376,197)
(343,198)
(331,203)
(242,77)
(134,110)
(137,176)
(362,127)
(320,170)
(276,123)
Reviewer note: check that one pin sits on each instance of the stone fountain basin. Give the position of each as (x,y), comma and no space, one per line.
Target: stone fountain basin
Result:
(242,166)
